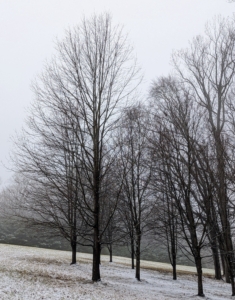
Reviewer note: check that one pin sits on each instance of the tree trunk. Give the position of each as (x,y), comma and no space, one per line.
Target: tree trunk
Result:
(217,267)
(230,267)
(74,252)
(96,179)
(111,253)
(223,207)
(173,253)
(226,271)
(174,267)
(132,254)
(198,262)
(137,272)
(227,250)
(215,254)
(225,265)
(96,258)
(222,255)
(96,246)
(100,249)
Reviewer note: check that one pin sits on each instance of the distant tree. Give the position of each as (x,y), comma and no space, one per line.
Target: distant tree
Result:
(128,228)
(181,130)
(165,217)
(49,194)
(112,232)
(135,165)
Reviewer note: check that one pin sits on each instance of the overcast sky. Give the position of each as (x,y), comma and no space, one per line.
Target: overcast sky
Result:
(29,28)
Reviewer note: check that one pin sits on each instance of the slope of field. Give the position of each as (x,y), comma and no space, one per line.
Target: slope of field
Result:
(35,273)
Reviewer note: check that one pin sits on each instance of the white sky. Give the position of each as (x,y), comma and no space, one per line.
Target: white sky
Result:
(28,29)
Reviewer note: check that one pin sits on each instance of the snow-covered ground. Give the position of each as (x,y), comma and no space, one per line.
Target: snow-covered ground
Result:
(33,273)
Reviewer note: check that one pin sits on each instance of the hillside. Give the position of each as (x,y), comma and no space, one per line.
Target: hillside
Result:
(33,273)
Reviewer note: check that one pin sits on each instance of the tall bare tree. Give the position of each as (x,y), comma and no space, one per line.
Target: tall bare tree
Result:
(180,133)
(81,91)
(208,67)
(135,165)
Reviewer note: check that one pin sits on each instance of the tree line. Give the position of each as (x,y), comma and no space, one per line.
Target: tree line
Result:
(101,167)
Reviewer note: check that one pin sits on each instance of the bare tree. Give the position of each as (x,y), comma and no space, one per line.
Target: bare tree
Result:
(165,219)
(80,93)
(209,68)
(127,228)
(181,131)
(49,194)
(136,170)
(110,220)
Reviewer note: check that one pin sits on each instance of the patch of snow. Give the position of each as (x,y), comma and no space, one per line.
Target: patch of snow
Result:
(33,273)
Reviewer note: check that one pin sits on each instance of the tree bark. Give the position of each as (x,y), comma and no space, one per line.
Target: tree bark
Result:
(230,265)
(111,253)
(174,267)
(223,206)
(96,246)
(173,252)
(222,255)
(198,262)
(226,272)
(132,254)
(96,258)
(224,265)
(215,254)
(74,252)
(96,191)
(137,272)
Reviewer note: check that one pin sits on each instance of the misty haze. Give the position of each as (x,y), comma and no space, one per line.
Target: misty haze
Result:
(117,174)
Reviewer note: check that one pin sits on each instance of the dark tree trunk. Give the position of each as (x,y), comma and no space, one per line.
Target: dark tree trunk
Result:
(174,267)
(111,253)
(73,231)
(227,277)
(225,267)
(232,282)
(96,259)
(223,263)
(223,207)
(216,260)
(198,262)
(225,248)
(215,254)
(233,287)
(137,251)
(137,270)
(230,266)
(96,246)
(227,256)
(74,252)
(214,236)
(132,254)
(173,253)
(100,249)
(96,178)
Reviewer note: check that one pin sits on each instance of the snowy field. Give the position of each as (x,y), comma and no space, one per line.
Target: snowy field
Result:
(33,273)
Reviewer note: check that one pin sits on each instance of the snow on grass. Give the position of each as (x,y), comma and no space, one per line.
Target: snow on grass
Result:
(34,273)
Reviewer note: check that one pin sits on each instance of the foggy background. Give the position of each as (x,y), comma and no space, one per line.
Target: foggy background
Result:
(29,28)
